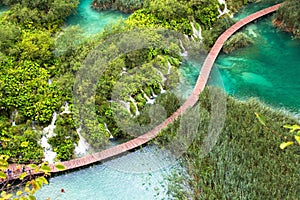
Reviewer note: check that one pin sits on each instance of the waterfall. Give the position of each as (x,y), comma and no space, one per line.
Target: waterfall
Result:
(49,155)
(169,68)
(197,33)
(13,117)
(153,94)
(186,37)
(149,100)
(124,71)
(161,89)
(82,147)
(66,109)
(110,135)
(162,75)
(137,113)
(33,125)
(49,81)
(184,51)
(225,11)
(47,133)
(54,118)
(126,105)
(49,130)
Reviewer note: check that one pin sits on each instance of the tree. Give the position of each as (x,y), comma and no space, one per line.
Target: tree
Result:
(39,13)
(24,176)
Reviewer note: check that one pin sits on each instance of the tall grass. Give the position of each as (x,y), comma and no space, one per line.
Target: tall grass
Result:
(246,162)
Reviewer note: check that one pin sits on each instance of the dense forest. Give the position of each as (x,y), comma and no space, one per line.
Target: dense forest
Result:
(44,74)
(40,61)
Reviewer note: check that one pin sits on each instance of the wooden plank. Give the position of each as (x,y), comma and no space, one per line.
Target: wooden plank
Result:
(191,101)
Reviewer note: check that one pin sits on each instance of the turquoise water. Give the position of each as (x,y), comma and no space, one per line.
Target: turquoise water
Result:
(137,175)
(92,21)
(268,70)
(254,7)
(3,9)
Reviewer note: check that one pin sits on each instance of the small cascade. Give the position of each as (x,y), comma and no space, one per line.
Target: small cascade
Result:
(13,117)
(161,89)
(111,137)
(153,94)
(163,78)
(66,109)
(169,68)
(186,37)
(48,132)
(149,100)
(33,125)
(49,155)
(124,71)
(137,112)
(49,81)
(184,51)
(83,146)
(197,33)
(126,105)
(225,11)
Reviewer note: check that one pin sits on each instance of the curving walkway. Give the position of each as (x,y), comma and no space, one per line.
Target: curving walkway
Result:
(191,101)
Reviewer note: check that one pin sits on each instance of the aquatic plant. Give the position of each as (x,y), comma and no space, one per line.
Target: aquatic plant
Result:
(287,17)
(246,163)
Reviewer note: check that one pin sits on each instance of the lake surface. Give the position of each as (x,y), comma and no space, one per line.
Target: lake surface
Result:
(91,21)
(137,175)
(268,70)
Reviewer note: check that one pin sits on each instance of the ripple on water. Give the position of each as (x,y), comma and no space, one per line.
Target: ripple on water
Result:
(270,68)
(137,175)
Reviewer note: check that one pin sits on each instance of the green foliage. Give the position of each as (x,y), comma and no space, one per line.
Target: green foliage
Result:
(65,138)
(30,184)
(36,46)
(126,6)
(169,101)
(288,17)
(210,36)
(39,13)
(25,87)
(9,35)
(238,40)
(206,12)
(20,143)
(246,162)
(292,128)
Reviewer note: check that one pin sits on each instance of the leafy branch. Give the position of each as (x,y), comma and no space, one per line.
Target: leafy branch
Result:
(295,129)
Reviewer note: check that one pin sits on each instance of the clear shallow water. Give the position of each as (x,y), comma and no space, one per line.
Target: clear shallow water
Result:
(269,69)
(91,21)
(137,175)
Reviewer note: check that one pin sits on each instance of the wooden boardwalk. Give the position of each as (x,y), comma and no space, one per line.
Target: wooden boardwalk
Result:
(190,102)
